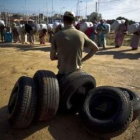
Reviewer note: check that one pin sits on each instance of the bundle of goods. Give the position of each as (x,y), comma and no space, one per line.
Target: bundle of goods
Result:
(116,24)
(123,21)
(107,28)
(62,25)
(43,26)
(133,28)
(75,23)
(2,22)
(50,26)
(84,26)
(91,24)
(55,25)
(38,27)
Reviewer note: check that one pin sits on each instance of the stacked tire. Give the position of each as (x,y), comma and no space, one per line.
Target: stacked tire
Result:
(48,95)
(73,90)
(22,103)
(105,111)
(34,98)
(135,99)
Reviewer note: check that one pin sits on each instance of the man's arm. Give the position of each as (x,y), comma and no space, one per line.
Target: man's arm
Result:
(53,52)
(93,49)
(53,56)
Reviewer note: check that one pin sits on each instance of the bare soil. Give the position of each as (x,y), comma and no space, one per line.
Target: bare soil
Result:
(114,67)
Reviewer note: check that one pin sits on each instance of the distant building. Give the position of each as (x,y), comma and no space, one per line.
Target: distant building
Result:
(41,16)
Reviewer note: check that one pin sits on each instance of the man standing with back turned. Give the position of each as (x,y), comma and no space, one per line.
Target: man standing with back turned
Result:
(67,47)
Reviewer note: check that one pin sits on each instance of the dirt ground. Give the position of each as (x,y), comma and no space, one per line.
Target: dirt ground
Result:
(115,67)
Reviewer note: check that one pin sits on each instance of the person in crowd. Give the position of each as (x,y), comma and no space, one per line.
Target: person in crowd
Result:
(19,32)
(50,33)
(77,26)
(2,32)
(94,33)
(101,34)
(15,33)
(42,36)
(58,28)
(30,32)
(23,35)
(67,46)
(120,34)
(135,40)
(91,32)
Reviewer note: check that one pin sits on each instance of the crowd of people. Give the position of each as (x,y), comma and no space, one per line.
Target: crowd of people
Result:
(23,34)
(99,31)
(96,33)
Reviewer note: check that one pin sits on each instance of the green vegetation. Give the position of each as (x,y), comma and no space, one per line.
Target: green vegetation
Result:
(94,17)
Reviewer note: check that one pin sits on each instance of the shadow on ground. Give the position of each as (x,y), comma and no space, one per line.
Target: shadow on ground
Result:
(26,47)
(121,54)
(118,54)
(62,127)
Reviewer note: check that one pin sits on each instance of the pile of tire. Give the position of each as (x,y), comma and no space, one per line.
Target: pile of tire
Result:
(33,99)
(108,111)
(104,111)
(40,97)
(73,90)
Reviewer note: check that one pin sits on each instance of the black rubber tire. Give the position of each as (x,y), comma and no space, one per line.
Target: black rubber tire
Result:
(22,103)
(47,94)
(135,99)
(73,89)
(106,112)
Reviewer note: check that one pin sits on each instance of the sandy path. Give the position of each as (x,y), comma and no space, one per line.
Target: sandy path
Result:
(116,67)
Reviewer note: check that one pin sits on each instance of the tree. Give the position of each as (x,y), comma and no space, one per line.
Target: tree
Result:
(17,16)
(94,17)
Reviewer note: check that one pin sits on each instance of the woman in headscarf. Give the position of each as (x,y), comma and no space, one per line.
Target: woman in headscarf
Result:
(135,40)
(101,34)
(120,33)
(15,33)
(42,36)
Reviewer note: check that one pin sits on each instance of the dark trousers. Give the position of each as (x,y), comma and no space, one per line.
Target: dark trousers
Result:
(59,76)
(2,36)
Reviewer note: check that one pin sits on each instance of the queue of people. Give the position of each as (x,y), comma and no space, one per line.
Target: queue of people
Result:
(135,40)
(23,34)
(99,31)
(120,34)
(122,31)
